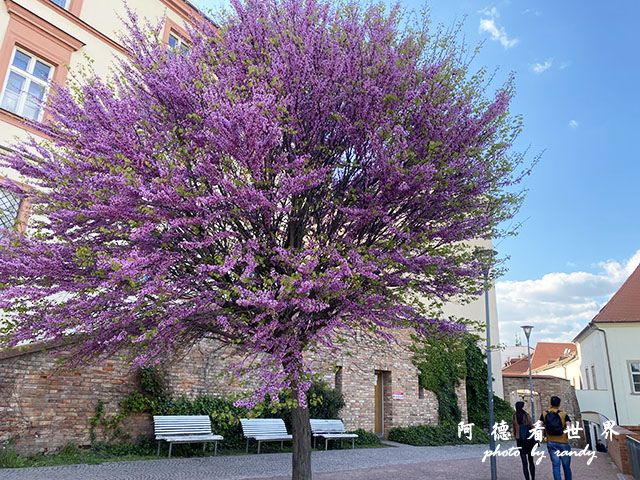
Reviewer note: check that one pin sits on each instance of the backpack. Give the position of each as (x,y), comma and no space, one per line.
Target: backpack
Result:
(553,423)
(525,431)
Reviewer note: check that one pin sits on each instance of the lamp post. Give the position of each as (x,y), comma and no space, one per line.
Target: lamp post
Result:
(492,440)
(527,333)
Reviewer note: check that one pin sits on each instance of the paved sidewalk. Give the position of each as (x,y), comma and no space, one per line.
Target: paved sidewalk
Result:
(510,468)
(397,463)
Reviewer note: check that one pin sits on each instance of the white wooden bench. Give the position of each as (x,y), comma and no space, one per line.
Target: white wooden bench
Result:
(330,430)
(265,430)
(184,429)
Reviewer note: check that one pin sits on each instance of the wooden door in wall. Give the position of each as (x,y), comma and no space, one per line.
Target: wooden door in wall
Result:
(379,413)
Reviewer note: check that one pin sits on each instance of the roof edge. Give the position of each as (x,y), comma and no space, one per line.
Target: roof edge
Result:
(590,326)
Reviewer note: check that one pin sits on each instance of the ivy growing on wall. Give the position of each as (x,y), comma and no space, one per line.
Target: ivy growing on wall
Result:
(443,362)
(478,391)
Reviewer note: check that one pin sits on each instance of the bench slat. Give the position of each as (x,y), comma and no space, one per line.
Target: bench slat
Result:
(264,430)
(327,426)
(184,429)
(263,427)
(330,429)
(191,438)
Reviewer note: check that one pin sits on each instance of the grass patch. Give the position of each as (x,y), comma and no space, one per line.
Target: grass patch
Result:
(70,454)
(146,449)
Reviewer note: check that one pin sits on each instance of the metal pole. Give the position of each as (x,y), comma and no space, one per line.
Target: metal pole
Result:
(533,409)
(492,440)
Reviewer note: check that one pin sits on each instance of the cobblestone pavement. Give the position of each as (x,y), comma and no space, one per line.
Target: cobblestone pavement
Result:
(510,468)
(399,463)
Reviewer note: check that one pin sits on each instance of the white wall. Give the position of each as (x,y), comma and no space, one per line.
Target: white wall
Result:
(592,353)
(623,345)
(567,369)
(623,340)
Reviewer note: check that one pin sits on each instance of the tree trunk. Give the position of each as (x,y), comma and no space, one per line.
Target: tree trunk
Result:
(301,430)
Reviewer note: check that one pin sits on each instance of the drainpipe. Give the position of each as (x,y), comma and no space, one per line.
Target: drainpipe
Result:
(613,390)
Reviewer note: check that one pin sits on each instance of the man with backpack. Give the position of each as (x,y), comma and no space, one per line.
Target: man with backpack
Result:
(556,422)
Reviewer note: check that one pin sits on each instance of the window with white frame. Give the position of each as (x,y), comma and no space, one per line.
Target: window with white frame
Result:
(176,44)
(9,207)
(634,370)
(26,85)
(61,3)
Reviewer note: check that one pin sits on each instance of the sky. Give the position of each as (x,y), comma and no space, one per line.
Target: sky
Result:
(577,74)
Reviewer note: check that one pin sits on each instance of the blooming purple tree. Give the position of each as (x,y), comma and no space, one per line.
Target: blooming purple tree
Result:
(304,169)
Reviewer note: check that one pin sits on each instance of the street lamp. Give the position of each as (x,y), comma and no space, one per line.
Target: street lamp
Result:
(492,441)
(527,333)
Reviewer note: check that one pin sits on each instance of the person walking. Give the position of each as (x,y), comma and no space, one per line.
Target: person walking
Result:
(522,427)
(555,423)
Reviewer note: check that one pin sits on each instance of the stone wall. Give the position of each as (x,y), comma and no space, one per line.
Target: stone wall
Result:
(547,386)
(43,406)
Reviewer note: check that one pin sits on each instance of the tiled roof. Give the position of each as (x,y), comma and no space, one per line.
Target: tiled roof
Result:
(624,306)
(535,375)
(544,354)
(518,367)
(548,352)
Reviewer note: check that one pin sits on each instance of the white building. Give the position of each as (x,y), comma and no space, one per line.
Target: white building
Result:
(609,361)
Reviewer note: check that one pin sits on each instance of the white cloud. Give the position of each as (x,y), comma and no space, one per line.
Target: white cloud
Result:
(489,25)
(573,124)
(499,34)
(559,304)
(565,64)
(489,12)
(542,67)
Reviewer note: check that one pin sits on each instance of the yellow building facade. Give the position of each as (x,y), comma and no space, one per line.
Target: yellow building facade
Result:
(45,41)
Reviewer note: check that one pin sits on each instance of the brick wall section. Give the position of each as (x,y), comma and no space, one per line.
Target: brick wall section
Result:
(204,369)
(367,355)
(634,428)
(546,387)
(43,408)
(618,449)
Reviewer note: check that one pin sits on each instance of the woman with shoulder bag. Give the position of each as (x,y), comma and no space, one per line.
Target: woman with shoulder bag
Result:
(522,427)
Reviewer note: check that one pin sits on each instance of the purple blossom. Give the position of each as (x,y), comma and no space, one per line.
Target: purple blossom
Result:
(303,170)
